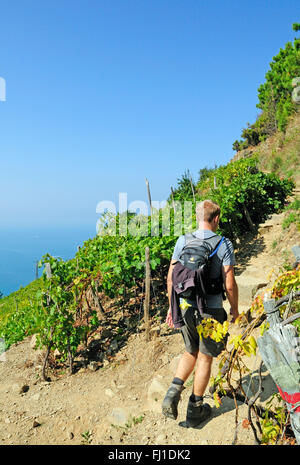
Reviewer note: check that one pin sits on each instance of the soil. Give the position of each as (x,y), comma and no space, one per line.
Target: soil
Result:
(119,401)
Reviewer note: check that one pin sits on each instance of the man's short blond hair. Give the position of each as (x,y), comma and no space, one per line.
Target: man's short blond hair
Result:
(207,210)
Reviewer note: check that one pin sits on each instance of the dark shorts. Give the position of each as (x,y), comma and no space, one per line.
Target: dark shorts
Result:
(192,341)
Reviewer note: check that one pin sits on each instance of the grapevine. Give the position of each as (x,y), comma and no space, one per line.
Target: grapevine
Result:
(271,421)
(63,310)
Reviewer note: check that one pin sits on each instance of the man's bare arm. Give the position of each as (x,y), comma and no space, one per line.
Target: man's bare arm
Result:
(169,288)
(231,289)
(169,279)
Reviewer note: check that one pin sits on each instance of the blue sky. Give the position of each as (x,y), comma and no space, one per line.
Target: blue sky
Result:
(101,94)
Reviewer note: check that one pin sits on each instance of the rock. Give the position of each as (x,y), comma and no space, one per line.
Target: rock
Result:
(265,228)
(56,353)
(257,287)
(93,366)
(46,383)
(114,345)
(29,363)
(24,388)
(248,285)
(155,394)
(154,332)
(174,363)
(161,439)
(127,322)
(99,431)
(36,424)
(119,416)
(70,435)
(109,392)
(106,333)
(33,341)
(145,439)
(164,359)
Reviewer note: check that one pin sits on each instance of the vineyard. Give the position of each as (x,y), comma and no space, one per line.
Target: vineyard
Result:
(63,310)
(272,424)
(75,301)
(67,305)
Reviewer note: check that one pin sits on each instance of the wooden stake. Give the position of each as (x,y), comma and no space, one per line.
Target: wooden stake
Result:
(147,292)
(192,186)
(248,218)
(48,270)
(149,195)
(37,270)
(173,203)
(97,302)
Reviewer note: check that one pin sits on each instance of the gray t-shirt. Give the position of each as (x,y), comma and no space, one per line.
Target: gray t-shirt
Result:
(223,256)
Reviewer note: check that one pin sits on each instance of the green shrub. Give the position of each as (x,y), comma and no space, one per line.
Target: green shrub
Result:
(275,96)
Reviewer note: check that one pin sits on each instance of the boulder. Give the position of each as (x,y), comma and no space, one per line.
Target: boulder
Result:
(248,284)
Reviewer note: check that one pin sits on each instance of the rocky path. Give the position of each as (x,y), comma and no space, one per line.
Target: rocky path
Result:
(121,402)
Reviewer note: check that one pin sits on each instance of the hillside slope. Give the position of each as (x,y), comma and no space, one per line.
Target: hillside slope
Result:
(279,153)
(120,402)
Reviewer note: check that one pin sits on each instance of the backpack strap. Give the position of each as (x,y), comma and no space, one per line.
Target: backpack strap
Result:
(191,236)
(217,247)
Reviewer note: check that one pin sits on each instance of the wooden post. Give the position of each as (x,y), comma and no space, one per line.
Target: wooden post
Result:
(149,195)
(48,271)
(173,203)
(97,302)
(147,292)
(192,186)
(37,270)
(248,218)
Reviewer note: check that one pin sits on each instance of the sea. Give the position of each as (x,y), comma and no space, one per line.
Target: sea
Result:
(22,247)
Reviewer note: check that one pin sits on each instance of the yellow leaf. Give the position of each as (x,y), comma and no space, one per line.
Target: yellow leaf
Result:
(253,344)
(246,348)
(225,327)
(184,305)
(263,328)
(200,331)
(235,341)
(217,400)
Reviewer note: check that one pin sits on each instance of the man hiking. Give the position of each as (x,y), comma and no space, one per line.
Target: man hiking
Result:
(199,353)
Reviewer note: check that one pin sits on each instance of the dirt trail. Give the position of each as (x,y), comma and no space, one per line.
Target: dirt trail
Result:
(121,402)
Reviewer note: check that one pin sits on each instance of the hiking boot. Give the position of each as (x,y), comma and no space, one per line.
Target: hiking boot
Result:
(197,413)
(170,402)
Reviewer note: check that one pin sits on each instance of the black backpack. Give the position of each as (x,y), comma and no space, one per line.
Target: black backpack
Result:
(197,255)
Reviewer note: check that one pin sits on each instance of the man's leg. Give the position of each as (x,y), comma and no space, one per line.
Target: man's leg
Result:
(197,411)
(186,365)
(184,369)
(202,373)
